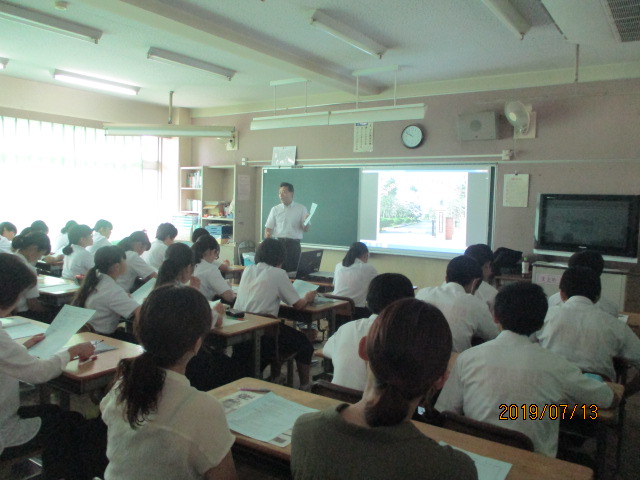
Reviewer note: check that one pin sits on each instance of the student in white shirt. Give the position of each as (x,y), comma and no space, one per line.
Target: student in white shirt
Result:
(262,287)
(349,370)
(482,254)
(100,292)
(467,315)
(206,250)
(511,370)
(29,248)
(62,240)
(353,275)
(407,350)
(77,261)
(101,233)
(7,231)
(584,334)
(135,245)
(158,425)
(24,428)
(199,232)
(594,261)
(165,236)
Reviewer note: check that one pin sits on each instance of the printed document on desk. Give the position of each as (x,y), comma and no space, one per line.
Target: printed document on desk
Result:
(488,468)
(68,321)
(20,328)
(266,418)
(143,292)
(303,287)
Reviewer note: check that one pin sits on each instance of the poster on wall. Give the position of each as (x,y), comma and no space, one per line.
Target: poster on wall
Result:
(363,137)
(283,156)
(516,190)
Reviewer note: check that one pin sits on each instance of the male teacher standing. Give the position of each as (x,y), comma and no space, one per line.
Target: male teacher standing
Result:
(286,223)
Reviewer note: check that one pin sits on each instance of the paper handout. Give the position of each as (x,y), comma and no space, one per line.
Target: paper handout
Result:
(301,287)
(314,206)
(143,292)
(68,321)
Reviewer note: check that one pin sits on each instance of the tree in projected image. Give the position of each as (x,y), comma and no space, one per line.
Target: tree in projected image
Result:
(395,210)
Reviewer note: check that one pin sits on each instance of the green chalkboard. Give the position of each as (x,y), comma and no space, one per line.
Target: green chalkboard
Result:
(335,190)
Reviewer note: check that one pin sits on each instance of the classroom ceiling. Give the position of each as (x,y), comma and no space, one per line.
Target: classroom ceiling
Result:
(440,46)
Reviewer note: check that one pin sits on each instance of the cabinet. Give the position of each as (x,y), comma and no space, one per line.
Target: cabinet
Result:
(220,196)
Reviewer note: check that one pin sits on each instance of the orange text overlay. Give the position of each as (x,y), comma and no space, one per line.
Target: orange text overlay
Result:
(548,411)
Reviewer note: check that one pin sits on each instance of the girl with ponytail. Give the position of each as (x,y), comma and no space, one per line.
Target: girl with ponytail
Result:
(100,292)
(29,249)
(152,405)
(407,350)
(206,251)
(77,261)
(100,235)
(353,276)
(135,245)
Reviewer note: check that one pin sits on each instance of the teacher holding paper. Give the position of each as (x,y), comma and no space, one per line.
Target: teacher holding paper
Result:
(286,223)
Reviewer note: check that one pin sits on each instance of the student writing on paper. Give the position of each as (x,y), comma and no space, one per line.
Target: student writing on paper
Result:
(165,236)
(353,275)
(24,428)
(100,292)
(158,425)
(77,261)
(101,234)
(29,248)
(407,350)
(135,245)
(262,287)
(7,231)
(209,368)
(206,251)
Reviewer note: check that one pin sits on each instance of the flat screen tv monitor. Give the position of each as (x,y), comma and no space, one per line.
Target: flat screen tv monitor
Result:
(605,223)
(309,263)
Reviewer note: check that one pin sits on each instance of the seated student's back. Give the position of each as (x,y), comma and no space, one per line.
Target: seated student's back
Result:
(101,234)
(77,260)
(7,231)
(135,245)
(165,236)
(407,350)
(353,274)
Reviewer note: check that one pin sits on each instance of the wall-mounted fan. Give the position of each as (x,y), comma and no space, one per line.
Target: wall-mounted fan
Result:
(522,118)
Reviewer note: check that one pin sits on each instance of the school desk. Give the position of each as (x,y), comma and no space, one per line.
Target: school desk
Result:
(314,312)
(56,291)
(52,269)
(526,465)
(80,378)
(234,273)
(251,329)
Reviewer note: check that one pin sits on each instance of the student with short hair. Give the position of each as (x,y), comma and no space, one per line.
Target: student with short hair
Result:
(165,236)
(349,370)
(583,333)
(262,287)
(29,249)
(197,233)
(482,254)
(7,231)
(407,351)
(467,315)
(40,226)
(100,292)
(512,370)
(62,240)
(25,428)
(223,265)
(101,233)
(135,245)
(353,275)
(594,261)
(158,425)
(206,251)
(77,261)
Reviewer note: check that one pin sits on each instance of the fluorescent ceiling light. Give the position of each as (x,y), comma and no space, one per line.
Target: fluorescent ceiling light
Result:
(347,34)
(91,82)
(3,63)
(507,14)
(35,18)
(342,117)
(173,58)
(169,130)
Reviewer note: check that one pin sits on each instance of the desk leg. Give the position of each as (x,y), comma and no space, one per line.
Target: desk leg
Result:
(256,339)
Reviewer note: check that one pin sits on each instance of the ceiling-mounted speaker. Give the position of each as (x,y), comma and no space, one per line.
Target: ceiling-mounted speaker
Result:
(477,126)
(522,118)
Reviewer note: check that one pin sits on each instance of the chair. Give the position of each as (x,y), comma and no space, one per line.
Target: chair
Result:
(247,246)
(338,392)
(462,424)
(280,359)
(344,314)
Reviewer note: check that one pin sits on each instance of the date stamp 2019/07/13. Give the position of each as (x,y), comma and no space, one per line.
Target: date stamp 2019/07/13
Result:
(551,411)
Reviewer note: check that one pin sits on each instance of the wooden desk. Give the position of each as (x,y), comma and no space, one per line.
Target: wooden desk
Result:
(526,465)
(251,330)
(234,272)
(314,313)
(56,291)
(51,269)
(502,280)
(633,321)
(90,376)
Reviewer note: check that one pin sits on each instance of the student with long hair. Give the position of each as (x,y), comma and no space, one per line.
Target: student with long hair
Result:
(135,245)
(353,276)
(158,425)
(165,236)
(25,428)
(407,350)
(77,261)
(30,248)
(62,240)
(100,292)
(200,232)
(7,231)
(101,234)
(206,251)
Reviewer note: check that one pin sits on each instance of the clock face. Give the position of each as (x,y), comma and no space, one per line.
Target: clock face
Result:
(412,136)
